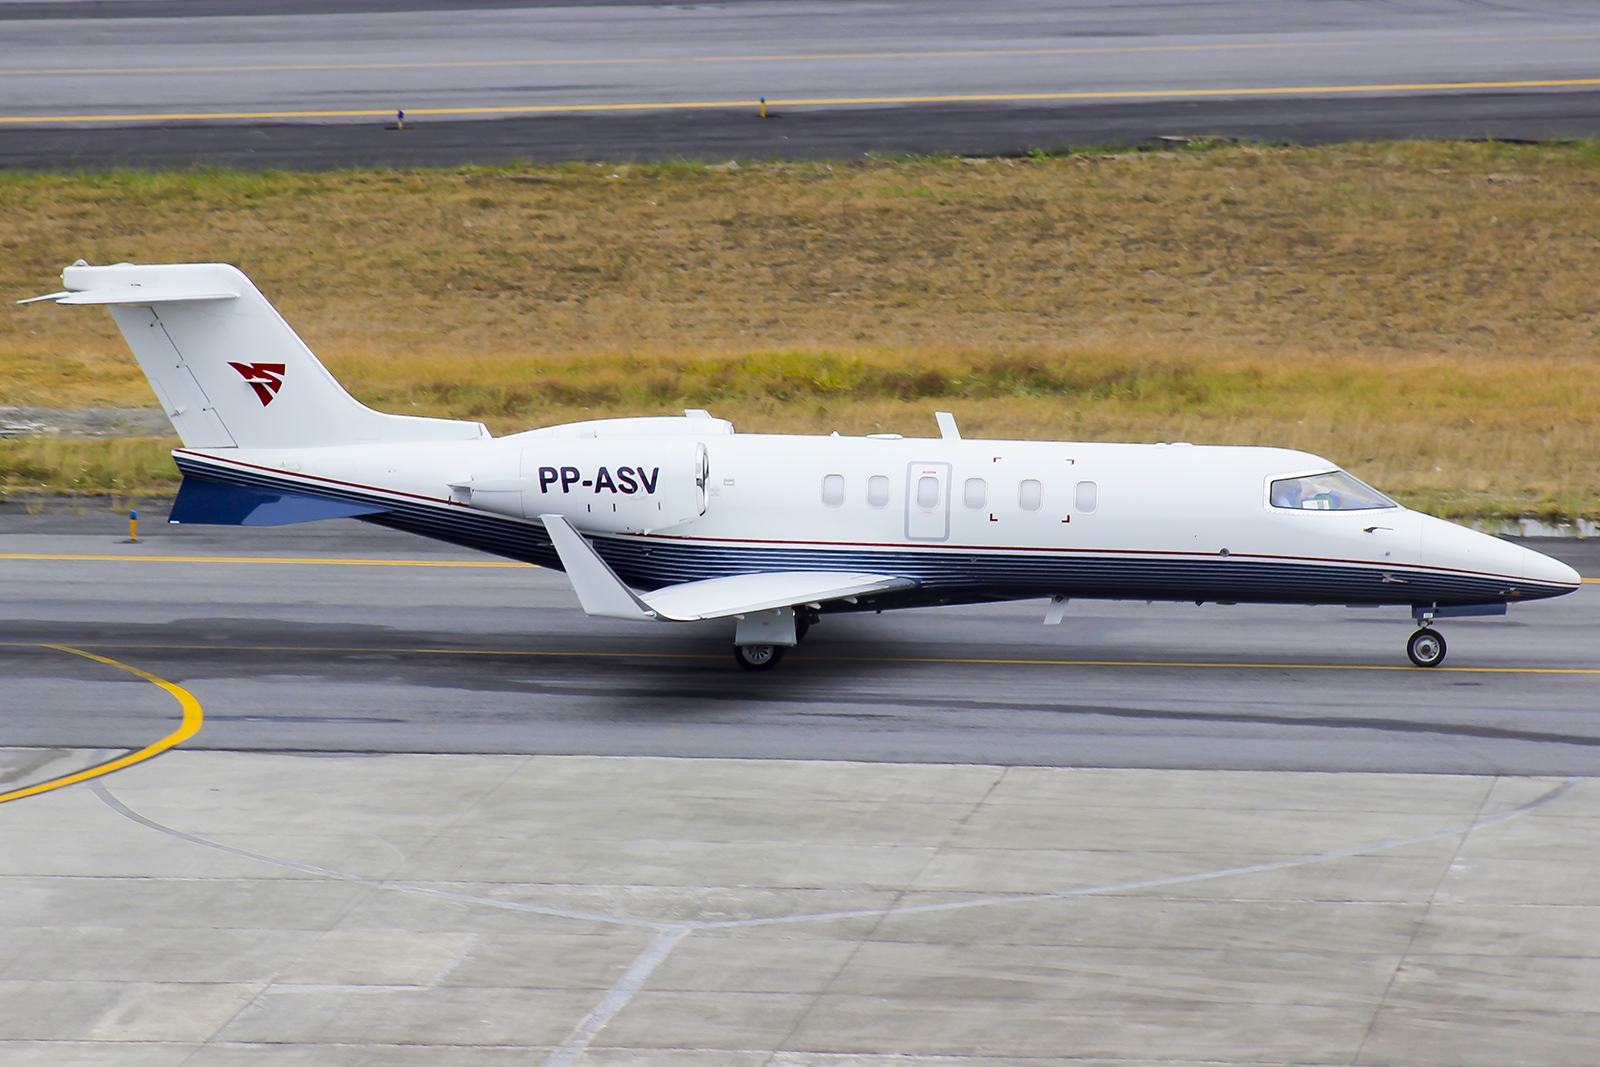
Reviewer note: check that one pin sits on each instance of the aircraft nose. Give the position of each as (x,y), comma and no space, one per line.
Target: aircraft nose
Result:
(1538,567)
(1445,544)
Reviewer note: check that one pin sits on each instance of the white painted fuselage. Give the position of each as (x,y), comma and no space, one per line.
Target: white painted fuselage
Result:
(1005,519)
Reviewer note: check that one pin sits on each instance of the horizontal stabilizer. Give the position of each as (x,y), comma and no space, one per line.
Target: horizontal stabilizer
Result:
(601,592)
(203,503)
(131,294)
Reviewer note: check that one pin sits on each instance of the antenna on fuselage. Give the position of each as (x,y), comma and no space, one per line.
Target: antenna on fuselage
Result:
(947,425)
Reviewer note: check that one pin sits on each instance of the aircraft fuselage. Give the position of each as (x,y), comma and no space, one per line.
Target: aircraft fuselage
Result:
(968,520)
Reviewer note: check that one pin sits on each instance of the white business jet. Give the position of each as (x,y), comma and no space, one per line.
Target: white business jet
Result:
(675,519)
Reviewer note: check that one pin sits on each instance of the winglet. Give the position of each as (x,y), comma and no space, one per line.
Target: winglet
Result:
(599,589)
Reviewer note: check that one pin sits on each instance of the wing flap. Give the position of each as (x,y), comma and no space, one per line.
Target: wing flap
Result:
(718,598)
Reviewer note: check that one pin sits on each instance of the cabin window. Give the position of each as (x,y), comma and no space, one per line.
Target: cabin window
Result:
(975,493)
(927,493)
(1030,494)
(878,491)
(1334,491)
(1086,497)
(833,490)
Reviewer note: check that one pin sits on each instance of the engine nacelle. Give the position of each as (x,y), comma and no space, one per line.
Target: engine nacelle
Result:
(607,485)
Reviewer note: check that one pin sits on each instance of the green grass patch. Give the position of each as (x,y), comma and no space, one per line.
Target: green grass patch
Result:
(1423,313)
(123,467)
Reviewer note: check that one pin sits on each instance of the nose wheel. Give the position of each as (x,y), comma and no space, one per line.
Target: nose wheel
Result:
(1426,648)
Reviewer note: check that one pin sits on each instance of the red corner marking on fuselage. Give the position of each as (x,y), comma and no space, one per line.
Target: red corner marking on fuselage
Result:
(265,378)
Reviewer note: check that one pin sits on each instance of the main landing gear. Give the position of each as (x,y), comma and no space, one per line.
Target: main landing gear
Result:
(766,657)
(757,657)
(1426,647)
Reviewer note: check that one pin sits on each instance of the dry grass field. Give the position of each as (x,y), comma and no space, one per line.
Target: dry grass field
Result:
(1425,314)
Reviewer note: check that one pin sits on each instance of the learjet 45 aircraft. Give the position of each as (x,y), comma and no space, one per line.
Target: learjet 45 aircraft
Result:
(675,519)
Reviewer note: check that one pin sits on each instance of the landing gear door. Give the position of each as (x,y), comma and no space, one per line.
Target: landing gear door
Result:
(928,502)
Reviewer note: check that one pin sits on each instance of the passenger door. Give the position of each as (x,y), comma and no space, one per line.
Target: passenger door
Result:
(928,502)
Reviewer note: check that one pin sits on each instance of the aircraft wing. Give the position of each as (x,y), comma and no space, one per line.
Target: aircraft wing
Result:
(601,592)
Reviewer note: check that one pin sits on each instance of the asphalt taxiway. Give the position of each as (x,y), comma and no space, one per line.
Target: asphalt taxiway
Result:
(343,637)
(157,82)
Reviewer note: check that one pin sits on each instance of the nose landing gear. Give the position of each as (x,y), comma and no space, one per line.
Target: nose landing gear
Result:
(1426,647)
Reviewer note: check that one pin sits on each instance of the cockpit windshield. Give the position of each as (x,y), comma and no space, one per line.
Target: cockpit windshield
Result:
(1334,491)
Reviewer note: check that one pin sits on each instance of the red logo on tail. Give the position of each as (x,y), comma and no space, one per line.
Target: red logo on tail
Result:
(265,378)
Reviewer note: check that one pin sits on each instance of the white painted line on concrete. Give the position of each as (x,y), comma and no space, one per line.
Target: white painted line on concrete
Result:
(619,996)
(377,883)
(1157,883)
(672,933)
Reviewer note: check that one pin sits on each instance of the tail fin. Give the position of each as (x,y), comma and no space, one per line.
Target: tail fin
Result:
(228,370)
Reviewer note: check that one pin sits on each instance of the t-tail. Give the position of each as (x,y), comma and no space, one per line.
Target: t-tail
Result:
(226,367)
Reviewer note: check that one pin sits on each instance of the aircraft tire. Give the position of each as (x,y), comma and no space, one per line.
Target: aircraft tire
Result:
(757,657)
(1426,648)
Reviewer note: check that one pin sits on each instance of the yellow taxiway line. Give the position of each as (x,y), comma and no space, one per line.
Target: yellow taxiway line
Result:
(193,719)
(1201,664)
(799,57)
(315,562)
(953,660)
(831,101)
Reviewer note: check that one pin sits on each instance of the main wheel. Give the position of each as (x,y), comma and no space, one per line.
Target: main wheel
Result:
(758,657)
(1426,648)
